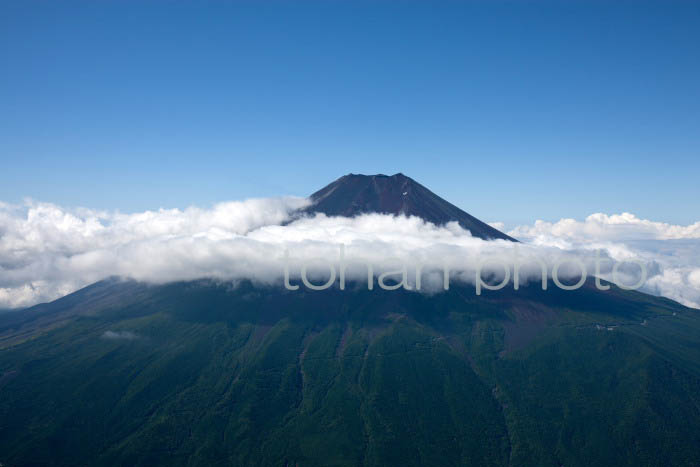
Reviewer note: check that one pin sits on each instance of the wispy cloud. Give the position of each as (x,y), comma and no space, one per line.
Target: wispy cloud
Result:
(120,335)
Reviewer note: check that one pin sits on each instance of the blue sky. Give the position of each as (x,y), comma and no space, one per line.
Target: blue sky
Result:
(513,111)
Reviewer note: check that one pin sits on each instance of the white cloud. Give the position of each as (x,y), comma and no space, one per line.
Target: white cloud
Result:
(47,251)
(600,226)
(497,225)
(671,251)
(694,278)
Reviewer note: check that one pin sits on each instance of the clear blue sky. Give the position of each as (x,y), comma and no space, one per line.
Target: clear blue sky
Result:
(513,111)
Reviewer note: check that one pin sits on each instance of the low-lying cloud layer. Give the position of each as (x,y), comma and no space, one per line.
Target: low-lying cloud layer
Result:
(47,251)
(672,252)
(617,227)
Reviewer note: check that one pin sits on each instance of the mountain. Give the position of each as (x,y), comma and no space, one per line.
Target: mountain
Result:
(213,373)
(353,194)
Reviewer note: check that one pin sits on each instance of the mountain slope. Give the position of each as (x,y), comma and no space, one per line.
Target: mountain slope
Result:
(203,373)
(353,194)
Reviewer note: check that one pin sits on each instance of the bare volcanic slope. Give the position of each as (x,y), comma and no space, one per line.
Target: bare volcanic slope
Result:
(353,194)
